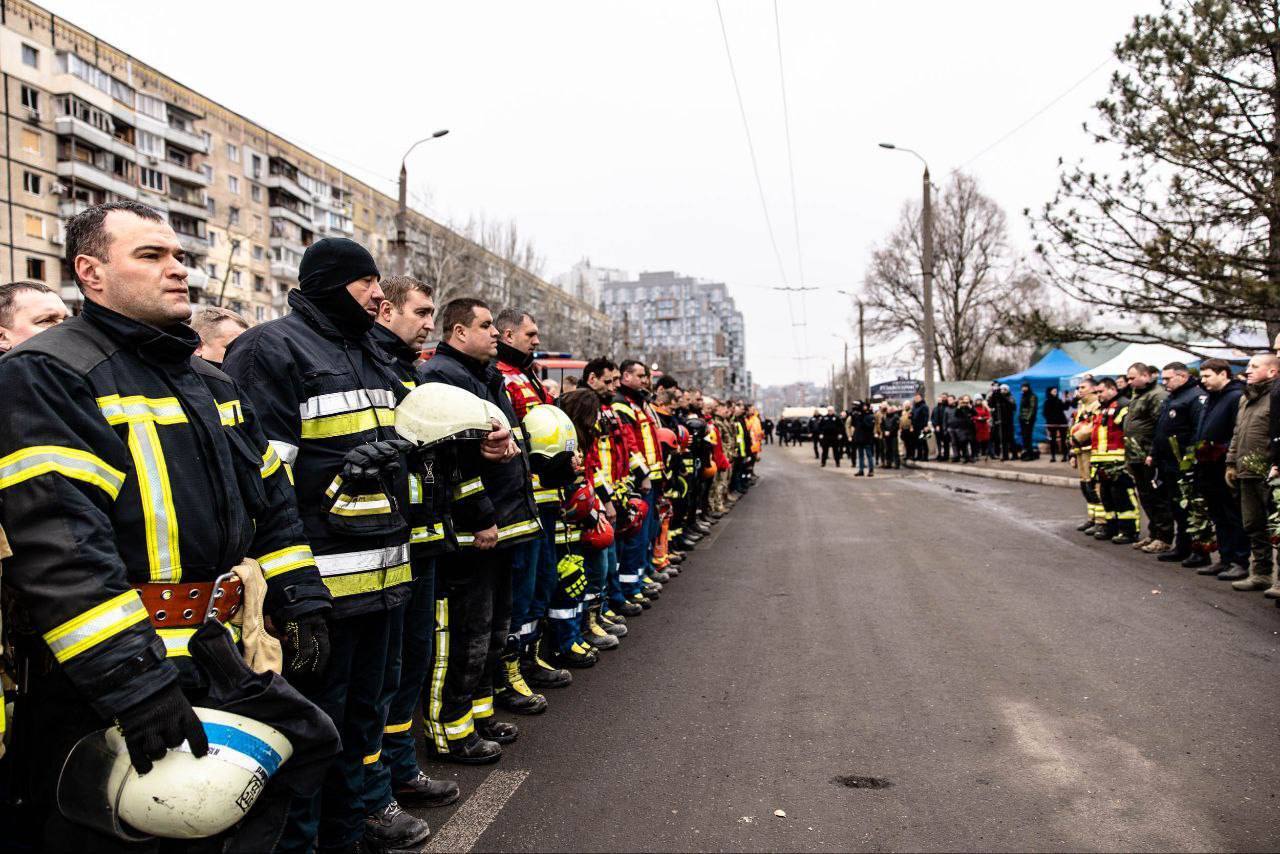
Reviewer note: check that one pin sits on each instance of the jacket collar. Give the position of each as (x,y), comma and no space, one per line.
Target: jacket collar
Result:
(313,316)
(635,395)
(390,343)
(511,356)
(1254,391)
(484,371)
(173,345)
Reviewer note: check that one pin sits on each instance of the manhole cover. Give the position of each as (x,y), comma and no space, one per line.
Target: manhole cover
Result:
(857,781)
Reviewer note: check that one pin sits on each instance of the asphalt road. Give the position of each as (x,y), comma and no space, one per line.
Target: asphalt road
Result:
(995,680)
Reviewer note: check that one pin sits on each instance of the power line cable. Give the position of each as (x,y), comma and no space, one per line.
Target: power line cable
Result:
(791,172)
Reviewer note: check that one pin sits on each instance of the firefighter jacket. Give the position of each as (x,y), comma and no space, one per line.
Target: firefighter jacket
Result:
(611,481)
(526,392)
(647,425)
(320,394)
(639,438)
(489,493)
(126,460)
(433,471)
(1107,443)
(1173,440)
(1145,409)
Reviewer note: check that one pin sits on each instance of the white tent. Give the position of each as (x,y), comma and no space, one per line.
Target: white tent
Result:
(1149,354)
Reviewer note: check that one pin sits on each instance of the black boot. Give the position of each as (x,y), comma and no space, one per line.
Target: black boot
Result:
(1197,561)
(393,829)
(497,731)
(1220,566)
(540,675)
(472,750)
(515,695)
(422,791)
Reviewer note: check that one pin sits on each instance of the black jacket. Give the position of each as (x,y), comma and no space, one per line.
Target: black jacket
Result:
(831,427)
(919,416)
(125,460)
(962,421)
(433,473)
(939,416)
(864,427)
(320,394)
(1217,420)
(1174,434)
(490,493)
(1055,411)
(1027,409)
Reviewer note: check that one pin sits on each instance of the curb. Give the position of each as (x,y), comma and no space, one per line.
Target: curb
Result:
(1000,474)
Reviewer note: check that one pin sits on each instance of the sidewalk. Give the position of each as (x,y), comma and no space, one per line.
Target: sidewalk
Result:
(1041,471)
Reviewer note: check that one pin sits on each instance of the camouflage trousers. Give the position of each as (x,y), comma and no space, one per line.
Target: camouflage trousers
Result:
(720,492)
(1273,518)
(1199,525)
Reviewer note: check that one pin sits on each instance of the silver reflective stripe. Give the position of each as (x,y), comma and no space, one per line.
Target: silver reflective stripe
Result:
(67,461)
(338,402)
(628,579)
(415,489)
(81,633)
(286,452)
(348,562)
(141,408)
(562,613)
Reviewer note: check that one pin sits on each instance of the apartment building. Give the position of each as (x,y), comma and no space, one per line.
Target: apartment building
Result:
(690,328)
(86,123)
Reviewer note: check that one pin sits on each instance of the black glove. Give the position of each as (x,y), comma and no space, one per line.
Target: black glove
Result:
(158,723)
(306,648)
(371,461)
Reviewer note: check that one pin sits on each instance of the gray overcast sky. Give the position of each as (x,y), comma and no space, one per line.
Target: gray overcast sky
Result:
(610,129)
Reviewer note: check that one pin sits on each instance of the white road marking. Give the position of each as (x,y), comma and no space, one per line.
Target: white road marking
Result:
(465,827)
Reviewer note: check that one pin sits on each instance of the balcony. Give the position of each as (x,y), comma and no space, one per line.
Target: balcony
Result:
(67,208)
(194,208)
(197,278)
(286,243)
(71,126)
(299,219)
(193,244)
(186,139)
(280,181)
(87,173)
(283,271)
(181,173)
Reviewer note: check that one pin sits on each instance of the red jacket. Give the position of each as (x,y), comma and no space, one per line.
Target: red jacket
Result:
(981,423)
(524,392)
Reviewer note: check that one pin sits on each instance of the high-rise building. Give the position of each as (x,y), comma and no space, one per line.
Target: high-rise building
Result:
(86,123)
(584,280)
(690,328)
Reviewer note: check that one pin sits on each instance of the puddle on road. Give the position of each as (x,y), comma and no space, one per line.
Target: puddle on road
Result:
(857,781)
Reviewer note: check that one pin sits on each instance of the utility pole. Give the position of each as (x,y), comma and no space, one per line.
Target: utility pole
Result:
(402,208)
(862,355)
(844,398)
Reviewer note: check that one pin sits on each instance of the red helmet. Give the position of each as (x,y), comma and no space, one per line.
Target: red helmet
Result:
(683,437)
(667,437)
(635,510)
(580,506)
(664,508)
(599,537)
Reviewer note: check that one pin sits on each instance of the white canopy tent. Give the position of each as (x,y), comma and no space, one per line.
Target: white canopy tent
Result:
(1149,354)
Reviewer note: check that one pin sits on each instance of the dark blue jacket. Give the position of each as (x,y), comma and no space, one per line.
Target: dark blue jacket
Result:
(1217,420)
(1175,428)
(919,416)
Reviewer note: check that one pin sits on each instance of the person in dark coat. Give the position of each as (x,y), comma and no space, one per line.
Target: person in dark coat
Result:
(1028,409)
(919,448)
(862,433)
(962,430)
(1214,427)
(938,418)
(1055,424)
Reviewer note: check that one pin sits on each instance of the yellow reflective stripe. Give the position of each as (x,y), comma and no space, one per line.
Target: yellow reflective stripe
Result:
(461,728)
(618,406)
(409,384)
(516,529)
(347,424)
(368,582)
(361,505)
(392,729)
(158,514)
(137,409)
(637,460)
(482,707)
(231,413)
(469,487)
(427,534)
(546,496)
(415,488)
(372,758)
(270,462)
(439,667)
(95,625)
(285,560)
(69,462)
(178,641)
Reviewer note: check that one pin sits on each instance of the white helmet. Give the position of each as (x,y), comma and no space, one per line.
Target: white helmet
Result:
(181,797)
(436,412)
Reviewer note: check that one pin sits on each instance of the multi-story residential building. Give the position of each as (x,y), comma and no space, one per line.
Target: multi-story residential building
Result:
(86,123)
(584,280)
(690,328)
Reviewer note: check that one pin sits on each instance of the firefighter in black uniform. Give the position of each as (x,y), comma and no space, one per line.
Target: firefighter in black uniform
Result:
(133,476)
(326,394)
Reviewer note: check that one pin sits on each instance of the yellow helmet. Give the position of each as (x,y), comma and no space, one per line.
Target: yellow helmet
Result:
(550,431)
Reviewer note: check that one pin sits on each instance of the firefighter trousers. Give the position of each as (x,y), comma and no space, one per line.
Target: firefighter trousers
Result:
(352,695)
(564,615)
(1119,498)
(473,614)
(533,577)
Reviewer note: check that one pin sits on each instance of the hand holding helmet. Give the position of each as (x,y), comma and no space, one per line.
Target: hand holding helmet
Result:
(158,723)
(373,460)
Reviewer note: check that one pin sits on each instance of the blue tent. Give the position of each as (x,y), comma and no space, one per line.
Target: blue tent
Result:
(1055,370)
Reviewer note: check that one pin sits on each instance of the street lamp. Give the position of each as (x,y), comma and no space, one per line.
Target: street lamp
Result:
(402,212)
(926,239)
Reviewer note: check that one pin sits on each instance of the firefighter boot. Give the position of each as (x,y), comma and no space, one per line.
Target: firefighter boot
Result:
(612,623)
(497,731)
(538,674)
(422,791)
(580,656)
(393,829)
(472,750)
(515,696)
(595,633)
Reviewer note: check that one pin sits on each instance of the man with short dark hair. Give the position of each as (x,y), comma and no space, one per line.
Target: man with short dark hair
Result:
(217,328)
(494,513)
(1172,460)
(1147,399)
(1212,438)
(133,479)
(1115,484)
(27,308)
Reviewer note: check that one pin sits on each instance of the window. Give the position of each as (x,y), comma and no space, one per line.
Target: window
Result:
(257,224)
(233,184)
(151,106)
(235,278)
(255,193)
(34,226)
(258,253)
(260,313)
(213,241)
(31,183)
(35,269)
(259,283)
(211,205)
(208,140)
(149,143)
(233,153)
(151,179)
(212,268)
(257,165)
(233,216)
(30,56)
(30,98)
(208,172)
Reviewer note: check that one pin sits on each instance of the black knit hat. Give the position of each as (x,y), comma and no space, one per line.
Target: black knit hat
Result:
(327,267)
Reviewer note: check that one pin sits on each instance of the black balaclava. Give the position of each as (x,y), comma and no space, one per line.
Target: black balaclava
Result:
(327,267)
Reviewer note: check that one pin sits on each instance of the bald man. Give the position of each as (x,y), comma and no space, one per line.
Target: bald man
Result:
(1247,464)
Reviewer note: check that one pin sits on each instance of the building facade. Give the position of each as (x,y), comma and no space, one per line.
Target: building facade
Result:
(85,123)
(585,280)
(690,328)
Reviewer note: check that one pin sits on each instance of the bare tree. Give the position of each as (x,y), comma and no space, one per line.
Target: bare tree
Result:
(977,282)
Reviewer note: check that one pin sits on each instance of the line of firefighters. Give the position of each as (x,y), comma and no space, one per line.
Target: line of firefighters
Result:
(234,588)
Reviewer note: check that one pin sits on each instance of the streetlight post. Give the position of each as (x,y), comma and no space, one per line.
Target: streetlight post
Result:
(402,210)
(926,241)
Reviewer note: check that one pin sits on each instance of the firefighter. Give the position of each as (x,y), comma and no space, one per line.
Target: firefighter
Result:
(133,478)
(494,514)
(406,316)
(640,447)
(533,571)
(1115,485)
(1087,407)
(1173,457)
(601,376)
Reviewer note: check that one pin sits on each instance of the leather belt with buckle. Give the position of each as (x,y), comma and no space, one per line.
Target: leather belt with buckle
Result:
(186,604)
